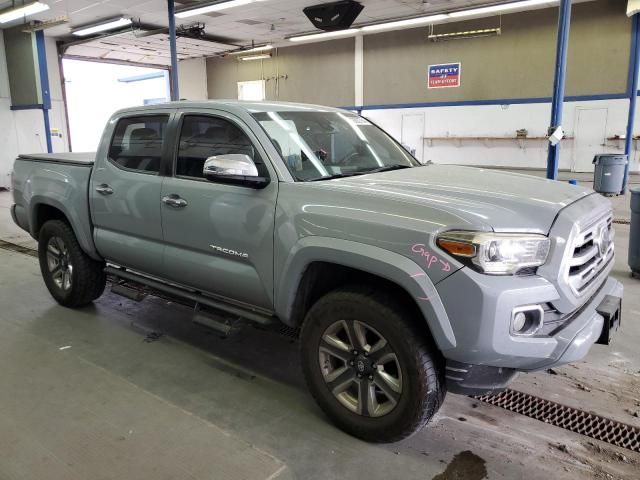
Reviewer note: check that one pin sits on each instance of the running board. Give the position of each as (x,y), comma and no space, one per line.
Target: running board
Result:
(135,294)
(225,326)
(196,297)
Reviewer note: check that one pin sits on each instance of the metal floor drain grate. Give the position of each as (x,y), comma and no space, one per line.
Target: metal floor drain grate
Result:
(18,248)
(287,331)
(572,419)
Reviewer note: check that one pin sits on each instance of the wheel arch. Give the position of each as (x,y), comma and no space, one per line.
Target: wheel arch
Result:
(317,265)
(44,209)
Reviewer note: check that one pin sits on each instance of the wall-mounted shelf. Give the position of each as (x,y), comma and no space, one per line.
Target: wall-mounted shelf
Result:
(458,140)
(618,141)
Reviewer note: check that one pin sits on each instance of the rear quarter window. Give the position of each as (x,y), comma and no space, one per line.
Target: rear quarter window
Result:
(137,143)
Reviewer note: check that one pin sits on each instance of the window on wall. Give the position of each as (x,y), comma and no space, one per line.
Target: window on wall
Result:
(137,143)
(202,137)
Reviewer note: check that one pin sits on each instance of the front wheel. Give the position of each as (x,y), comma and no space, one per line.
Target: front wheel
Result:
(71,276)
(370,368)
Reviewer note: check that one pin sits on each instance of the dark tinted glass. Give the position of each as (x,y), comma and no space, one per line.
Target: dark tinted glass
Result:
(137,143)
(204,137)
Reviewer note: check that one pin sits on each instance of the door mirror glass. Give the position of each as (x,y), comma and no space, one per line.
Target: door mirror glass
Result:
(237,168)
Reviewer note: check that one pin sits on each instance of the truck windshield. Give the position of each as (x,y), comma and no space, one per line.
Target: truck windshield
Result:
(322,145)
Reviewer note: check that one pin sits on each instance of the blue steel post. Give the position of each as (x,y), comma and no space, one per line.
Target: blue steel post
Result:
(634,66)
(564,23)
(175,94)
(44,86)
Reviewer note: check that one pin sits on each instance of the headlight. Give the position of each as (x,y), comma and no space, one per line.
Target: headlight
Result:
(496,253)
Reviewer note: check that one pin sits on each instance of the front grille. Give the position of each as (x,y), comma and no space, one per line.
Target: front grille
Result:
(591,252)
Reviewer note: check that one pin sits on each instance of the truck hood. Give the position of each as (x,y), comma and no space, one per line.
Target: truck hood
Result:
(498,200)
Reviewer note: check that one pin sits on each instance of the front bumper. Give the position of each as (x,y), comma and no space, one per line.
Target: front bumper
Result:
(481,322)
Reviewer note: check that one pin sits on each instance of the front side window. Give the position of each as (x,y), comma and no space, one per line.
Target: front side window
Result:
(318,145)
(202,137)
(137,143)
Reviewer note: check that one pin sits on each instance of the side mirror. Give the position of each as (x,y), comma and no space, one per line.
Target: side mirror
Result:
(233,168)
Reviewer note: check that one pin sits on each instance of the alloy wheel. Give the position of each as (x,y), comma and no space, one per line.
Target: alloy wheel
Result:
(360,368)
(59,263)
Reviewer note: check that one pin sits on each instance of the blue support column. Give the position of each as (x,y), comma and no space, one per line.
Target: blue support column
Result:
(44,87)
(564,23)
(634,66)
(175,93)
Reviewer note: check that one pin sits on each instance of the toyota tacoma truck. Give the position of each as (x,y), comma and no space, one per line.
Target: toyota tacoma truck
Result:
(404,280)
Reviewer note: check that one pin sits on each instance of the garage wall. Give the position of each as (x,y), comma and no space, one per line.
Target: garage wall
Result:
(445,136)
(511,76)
(192,79)
(517,64)
(317,73)
(22,131)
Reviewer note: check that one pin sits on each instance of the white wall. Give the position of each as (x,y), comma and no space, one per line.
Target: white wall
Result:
(501,121)
(192,79)
(22,131)
(94,93)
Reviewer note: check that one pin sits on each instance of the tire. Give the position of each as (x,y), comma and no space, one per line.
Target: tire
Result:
(415,388)
(58,249)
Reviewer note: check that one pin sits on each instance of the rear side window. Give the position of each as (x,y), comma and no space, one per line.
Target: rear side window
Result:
(137,143)
(203,137)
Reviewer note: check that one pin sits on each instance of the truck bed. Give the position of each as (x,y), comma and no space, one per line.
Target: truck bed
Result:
(60,181)
(69,158)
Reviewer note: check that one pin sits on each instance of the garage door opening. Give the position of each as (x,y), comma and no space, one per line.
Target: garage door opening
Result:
(95,90)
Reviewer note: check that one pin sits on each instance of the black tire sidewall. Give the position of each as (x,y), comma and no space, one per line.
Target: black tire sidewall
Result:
(417,383)
(88,279)
(55,229)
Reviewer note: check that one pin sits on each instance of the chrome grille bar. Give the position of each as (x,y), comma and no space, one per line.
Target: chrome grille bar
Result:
(590,253)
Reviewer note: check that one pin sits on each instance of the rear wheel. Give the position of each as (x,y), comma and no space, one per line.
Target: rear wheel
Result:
(71,276)
(375,374)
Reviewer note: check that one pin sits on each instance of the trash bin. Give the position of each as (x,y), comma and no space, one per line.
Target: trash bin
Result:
(634,233)
(609,173)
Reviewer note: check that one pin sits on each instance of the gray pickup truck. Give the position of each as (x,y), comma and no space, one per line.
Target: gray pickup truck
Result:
(405,280)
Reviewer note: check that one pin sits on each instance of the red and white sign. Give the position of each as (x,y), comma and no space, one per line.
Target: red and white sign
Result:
(445,75)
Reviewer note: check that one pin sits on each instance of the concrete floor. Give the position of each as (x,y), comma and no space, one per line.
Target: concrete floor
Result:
(135,390)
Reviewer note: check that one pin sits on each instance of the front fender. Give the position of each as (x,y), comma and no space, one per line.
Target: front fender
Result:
(370,259)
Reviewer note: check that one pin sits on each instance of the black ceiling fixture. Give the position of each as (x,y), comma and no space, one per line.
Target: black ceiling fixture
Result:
(335,15)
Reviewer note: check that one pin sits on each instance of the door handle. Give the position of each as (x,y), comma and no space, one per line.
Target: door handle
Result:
(174,201)
(104,189)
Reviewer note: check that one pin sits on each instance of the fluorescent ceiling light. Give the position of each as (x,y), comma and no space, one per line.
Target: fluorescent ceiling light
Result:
(431,19)
(405,23)
(214,7)
(255,57)
(502,8)
(264,48)
(101,27)
(23,11)
(320,36)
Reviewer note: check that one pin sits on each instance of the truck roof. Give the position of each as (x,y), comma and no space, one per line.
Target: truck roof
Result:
(235,106)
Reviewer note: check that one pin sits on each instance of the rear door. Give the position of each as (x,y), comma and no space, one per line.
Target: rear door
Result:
(219,237)
(125,191)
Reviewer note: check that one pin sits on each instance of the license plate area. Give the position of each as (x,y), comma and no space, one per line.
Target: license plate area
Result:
(611,310)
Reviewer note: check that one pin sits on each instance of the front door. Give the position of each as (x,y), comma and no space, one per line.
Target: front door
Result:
(218,237)
(590,137)
(125,192)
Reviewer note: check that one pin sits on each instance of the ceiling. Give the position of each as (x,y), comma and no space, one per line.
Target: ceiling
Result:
(267,21)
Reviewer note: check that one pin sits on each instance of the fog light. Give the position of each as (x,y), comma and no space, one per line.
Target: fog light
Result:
(526,320)
(519,320)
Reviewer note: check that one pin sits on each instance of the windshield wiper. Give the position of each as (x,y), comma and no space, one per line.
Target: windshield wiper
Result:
(335,175)
(386,168)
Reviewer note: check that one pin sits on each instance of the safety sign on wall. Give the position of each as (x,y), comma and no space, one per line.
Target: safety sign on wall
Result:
(445,75)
